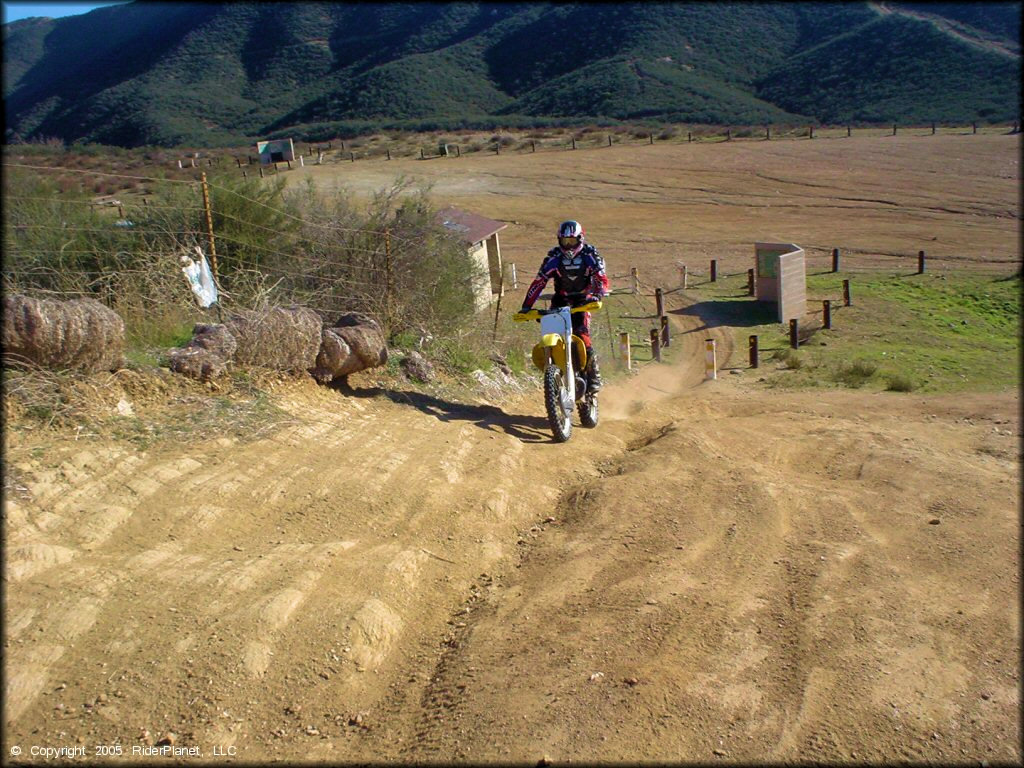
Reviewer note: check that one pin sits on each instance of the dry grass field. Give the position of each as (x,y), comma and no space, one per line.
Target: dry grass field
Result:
(718,572)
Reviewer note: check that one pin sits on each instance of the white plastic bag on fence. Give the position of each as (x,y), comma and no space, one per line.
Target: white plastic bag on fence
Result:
(200,279)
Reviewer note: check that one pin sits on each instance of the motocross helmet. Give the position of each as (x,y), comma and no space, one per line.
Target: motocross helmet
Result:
(570,237)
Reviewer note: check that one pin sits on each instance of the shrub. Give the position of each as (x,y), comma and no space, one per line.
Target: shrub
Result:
(856,374)
(898,382)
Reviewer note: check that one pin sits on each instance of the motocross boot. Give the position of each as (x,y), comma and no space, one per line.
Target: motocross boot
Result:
(593,374)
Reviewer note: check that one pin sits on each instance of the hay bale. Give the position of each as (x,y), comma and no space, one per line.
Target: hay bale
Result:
(80,333)
(354,343)
(207,354)
(282,338)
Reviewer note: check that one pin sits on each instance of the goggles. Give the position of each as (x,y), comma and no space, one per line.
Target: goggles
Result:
(569,242)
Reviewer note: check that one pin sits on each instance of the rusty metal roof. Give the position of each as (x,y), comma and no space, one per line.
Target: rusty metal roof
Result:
(471,227)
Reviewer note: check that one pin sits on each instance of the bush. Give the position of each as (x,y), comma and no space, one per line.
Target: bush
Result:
(898,382)
(856,374)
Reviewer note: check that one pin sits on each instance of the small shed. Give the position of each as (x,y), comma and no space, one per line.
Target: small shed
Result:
(275,151)
(480,235)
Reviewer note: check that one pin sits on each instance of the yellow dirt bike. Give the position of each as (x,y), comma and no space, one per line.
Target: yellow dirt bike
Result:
(564,387)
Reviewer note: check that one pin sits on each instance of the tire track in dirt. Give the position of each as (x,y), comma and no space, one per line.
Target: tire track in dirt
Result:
(759,635)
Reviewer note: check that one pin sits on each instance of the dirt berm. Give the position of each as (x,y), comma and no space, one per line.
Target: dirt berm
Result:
(715,572)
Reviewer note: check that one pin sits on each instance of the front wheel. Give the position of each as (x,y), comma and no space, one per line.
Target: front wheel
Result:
(588,411)
(559,417)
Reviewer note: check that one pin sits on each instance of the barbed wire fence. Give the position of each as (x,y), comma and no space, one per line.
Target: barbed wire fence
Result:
(266,246)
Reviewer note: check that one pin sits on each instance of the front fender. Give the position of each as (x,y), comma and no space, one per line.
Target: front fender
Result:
(553,344)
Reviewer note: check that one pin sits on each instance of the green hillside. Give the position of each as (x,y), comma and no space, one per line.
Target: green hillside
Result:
(875,73)
(226,73)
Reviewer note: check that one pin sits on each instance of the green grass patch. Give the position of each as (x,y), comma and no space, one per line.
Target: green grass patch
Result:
(947,332)
(626,313)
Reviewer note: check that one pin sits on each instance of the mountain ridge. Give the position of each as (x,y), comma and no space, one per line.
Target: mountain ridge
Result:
(219,73)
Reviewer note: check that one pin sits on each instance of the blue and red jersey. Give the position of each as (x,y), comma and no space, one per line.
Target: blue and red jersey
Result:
(576,278)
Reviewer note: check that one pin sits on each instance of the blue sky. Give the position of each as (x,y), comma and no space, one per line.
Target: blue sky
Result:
(21,9)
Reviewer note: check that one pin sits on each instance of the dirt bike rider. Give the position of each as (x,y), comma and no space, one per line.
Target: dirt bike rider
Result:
(578,272)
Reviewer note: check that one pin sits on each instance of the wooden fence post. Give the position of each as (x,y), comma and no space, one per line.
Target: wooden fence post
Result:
(636,280)
(826,307)
(728,134)
(810,131)
(458,151)
(261,171)
(974,128)
(714,270)
(655,345)
(846,294)
(689,137)
(497,308)
(794,333)
(650,136)
(574,142)
(752,344)
(933,127)
(665,337)
(710,363)
(750,281)
(835,259)
(683,277)
(421,153)
(659,302)
(533,146)
(767,133)
(352,156)
(894,129)
(389,154)
(624,350)
(920,262)
(209,228)
(849,132)
(609,139)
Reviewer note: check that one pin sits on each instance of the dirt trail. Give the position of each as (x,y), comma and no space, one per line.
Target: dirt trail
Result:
(755,575)
(719,572)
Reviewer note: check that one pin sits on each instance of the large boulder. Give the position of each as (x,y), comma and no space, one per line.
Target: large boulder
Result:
(81,334)
(207,355)
(282,338)
(354,342)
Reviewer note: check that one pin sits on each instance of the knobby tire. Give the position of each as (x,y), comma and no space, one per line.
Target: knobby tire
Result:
(560,421)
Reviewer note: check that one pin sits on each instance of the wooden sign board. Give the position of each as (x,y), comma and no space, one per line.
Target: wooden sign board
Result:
(780,277)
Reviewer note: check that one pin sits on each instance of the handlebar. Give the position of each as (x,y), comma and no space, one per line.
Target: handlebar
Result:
(536,314)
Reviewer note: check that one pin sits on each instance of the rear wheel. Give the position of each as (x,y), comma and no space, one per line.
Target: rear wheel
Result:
(588,411)
(559,417)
